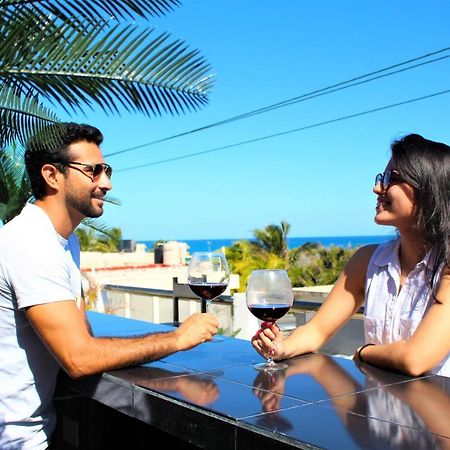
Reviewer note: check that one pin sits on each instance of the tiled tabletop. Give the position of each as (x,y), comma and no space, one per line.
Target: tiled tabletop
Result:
(319,401)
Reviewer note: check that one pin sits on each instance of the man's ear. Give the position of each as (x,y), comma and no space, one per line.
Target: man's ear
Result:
(52,176)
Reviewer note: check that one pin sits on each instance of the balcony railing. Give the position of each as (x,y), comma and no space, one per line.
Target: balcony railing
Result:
(157,305)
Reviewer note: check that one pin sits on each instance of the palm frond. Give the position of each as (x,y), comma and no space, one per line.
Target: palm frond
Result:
(64,9)
(74,54)
(112,200)
(96,225)
(14,184)
(113,66)
(21,115)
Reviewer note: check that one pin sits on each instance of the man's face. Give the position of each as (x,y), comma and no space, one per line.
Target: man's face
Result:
(84,191)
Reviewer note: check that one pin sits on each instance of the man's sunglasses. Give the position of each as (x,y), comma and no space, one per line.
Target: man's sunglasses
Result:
(92,171)
(388,178)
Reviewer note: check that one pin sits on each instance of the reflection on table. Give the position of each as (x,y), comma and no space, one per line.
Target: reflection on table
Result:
(420,404)
(198,389)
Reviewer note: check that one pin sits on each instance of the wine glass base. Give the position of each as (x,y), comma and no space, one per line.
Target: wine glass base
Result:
(270,367)
(216,339)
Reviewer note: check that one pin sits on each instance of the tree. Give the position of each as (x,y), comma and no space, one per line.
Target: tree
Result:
(106,241)
(312,264)
(13,183)
(308,265)
(77,54)
(273,238)
(86,236)
(110,242)
(269,250)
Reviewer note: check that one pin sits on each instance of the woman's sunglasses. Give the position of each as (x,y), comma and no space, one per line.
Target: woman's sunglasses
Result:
(388,178)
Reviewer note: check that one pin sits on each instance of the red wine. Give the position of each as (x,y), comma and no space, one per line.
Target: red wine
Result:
(269,312)
(208,291)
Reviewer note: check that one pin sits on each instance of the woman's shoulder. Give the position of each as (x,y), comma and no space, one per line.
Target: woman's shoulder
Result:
(353,277)
(367,251)
(359,262)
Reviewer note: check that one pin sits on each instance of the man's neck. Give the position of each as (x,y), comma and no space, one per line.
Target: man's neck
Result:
(62,221)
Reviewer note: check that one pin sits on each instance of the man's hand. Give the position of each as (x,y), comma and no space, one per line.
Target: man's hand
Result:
(197,328)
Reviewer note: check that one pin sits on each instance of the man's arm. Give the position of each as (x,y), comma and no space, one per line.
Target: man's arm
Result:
(83,312)
(63,329)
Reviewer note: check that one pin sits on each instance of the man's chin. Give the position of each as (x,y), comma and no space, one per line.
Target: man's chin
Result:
(94,213)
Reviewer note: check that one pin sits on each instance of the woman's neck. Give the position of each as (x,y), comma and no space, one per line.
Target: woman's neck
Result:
(412,250)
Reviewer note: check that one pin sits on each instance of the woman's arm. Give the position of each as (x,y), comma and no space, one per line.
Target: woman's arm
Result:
(427,347)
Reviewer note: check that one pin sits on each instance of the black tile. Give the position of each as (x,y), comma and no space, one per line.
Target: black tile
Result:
(422,404)
(328,428)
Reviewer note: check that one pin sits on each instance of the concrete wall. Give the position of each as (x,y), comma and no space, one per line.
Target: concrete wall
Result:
(98,260)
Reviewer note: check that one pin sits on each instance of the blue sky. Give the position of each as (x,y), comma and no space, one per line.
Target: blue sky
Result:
(263,52)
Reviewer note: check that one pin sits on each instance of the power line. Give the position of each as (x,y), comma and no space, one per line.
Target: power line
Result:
(308,96)
(282,133)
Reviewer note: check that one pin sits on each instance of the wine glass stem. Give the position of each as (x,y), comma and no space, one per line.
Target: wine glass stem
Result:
(270,360)
(270,357)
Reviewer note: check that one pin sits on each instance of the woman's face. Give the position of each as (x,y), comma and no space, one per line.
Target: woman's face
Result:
(395,201)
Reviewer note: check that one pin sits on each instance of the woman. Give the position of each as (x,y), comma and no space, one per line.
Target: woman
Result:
(403,284)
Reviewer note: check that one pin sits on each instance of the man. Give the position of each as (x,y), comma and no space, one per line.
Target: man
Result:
(43,324)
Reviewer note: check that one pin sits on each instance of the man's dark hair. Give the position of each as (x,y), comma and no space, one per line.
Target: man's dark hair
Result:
(425,165)
(51,146)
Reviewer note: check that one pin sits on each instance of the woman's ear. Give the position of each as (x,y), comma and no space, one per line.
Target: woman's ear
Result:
(51,176)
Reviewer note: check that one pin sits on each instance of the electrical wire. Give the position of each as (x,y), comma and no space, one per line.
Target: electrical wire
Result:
(304,97)
(283,133)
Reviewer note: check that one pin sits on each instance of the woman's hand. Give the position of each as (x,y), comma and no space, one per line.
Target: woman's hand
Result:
(269,341)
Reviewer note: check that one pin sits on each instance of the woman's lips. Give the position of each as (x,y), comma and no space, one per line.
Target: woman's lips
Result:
(381,204)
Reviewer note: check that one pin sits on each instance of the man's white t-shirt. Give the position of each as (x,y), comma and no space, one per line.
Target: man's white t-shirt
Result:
(37,266)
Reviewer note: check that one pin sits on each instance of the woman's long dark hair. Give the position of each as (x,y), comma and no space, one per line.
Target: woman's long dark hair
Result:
(425,165)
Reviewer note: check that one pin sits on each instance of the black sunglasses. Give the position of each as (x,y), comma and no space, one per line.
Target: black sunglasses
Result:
(92,171)
(388,178)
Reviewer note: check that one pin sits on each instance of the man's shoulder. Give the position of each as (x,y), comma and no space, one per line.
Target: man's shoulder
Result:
(26,231)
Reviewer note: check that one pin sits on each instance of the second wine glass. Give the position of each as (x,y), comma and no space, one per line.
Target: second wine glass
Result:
(208,276)
(269,298)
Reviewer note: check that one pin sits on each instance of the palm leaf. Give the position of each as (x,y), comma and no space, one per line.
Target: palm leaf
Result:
(113,66)
(14,185)
(64,9)
(21,115)
(273,238)
(97,225)
(73,54)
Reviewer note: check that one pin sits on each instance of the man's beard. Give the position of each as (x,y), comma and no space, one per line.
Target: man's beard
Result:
(84,206)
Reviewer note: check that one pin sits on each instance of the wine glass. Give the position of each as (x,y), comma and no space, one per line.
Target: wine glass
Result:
(269,297)
(208,276)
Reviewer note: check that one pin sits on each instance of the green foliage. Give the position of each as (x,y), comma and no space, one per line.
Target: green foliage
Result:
(245,256)
(273,238)
(311,265)
(105,240)
(21,115)
(267,251)
(308,265)
(75,59)
(14,185)
(224,332)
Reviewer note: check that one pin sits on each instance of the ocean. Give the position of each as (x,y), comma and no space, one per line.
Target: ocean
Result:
(203,245)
